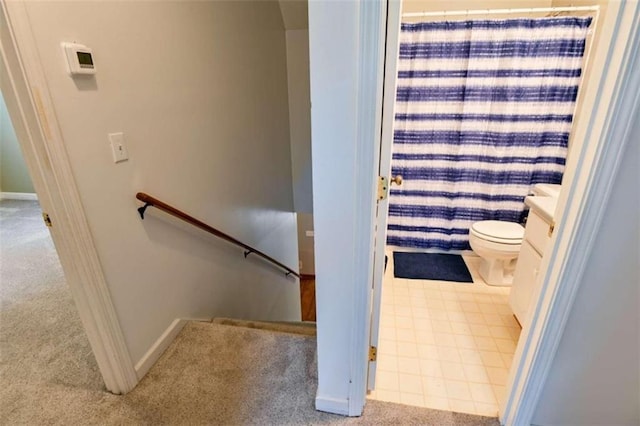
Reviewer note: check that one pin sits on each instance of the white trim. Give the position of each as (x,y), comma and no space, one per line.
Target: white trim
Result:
(157,349)
(372,37)
(26,93)
(26,196)
(332,405)
(580,222)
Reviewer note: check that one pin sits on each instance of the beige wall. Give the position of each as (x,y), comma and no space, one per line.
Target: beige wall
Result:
(200,91)
(14,176)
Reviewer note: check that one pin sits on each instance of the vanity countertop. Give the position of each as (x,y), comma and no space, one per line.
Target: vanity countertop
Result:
(544,206)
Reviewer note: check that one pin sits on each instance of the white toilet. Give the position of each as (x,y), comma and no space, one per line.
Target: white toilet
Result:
(498,245)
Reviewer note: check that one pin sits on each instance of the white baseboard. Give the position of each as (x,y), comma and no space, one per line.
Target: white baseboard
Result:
(18,196)
(332,405)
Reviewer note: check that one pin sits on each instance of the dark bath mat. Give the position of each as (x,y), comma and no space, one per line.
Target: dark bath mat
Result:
(430,266)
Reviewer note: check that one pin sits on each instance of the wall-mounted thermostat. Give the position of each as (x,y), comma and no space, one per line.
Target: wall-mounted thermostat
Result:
(79,59)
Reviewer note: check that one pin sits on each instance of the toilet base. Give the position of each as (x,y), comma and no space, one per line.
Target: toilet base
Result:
(497,272)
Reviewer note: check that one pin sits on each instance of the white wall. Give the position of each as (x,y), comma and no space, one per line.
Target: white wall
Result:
(200,91)
(595,377)
(333,36)
(14,176)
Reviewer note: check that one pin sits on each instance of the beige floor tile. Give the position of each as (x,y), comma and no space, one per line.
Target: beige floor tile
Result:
(430,368)
(491,359)
(404,322)
(488,308)
(445,339)
(407,349)
(387,362)
(478,330)
(388,396)
(417,292)
(420,312)
(497,375)
(408,365)
(452,370)
(470,307)
(428,351)
(449,295)
(500,332)
(417,400)
(506,346)
(476,373)
(475,318)
(465,342)
(441,326)
(387,380)
(449,354)
(388,333)
(388,347)
(485,343)
(500,392)
(410,383)
(507,359)
(422,324)
(458,389)
(436,403)
(489,410)
(493,319)
(457,317)
(460,406)
(438,314)
(470,356)
(461,328)
(403,301)
(401,291)
(405,335)
(434,386)
(425,337)
(483,393)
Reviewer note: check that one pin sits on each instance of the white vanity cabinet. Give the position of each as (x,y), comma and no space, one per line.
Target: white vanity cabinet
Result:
(526,280)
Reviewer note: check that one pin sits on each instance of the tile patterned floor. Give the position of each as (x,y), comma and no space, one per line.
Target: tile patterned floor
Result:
(445,345)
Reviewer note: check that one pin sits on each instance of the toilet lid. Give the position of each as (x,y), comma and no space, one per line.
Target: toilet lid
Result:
(499,231)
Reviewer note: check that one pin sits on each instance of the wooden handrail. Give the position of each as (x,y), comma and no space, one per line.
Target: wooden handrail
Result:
(150,201)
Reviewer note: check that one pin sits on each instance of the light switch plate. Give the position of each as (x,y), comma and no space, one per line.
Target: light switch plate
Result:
(118,149)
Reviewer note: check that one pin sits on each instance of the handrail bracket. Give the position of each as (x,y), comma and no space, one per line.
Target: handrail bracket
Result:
(142,209)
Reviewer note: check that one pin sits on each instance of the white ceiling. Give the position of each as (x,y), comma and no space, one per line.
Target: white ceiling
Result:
(294,14)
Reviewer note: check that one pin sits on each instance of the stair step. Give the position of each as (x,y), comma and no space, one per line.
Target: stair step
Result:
(292,327)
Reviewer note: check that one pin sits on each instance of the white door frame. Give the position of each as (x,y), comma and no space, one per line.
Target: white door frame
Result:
(26,93)
(591,173)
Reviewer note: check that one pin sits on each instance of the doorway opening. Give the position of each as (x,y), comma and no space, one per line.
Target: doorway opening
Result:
(44,344)
(444,344)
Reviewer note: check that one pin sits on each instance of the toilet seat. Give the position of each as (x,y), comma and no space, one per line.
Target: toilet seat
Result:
(496,231)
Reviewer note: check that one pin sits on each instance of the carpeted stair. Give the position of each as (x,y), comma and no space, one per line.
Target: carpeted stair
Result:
(303,327)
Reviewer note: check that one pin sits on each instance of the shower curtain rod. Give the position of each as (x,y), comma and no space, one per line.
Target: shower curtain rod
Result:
(502,11)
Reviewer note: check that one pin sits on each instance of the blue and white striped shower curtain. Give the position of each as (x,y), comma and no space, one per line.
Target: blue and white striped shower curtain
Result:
(483,112)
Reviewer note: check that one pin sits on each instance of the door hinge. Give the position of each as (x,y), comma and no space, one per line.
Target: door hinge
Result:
(552,227)
(383,188)
(373,353)
(47,219)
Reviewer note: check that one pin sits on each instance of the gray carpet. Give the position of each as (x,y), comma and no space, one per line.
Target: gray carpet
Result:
(211,374)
